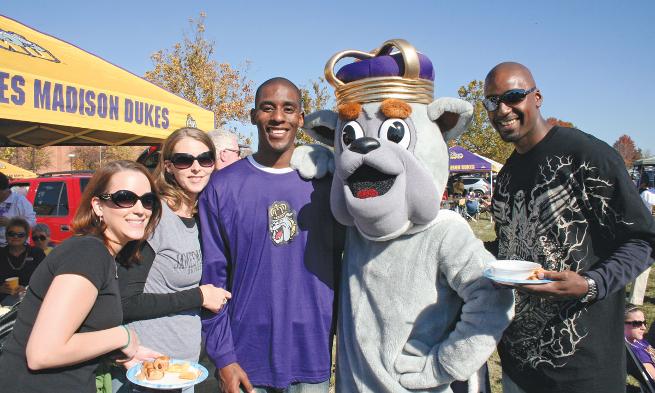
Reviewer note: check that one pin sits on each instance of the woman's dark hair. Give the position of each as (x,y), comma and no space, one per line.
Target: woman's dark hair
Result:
(19,222)
(86,222)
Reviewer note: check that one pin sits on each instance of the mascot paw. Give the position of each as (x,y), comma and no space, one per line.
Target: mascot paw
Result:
(312,161)
(419,368)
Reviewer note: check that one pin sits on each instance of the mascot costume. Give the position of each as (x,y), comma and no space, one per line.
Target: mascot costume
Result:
(415,313)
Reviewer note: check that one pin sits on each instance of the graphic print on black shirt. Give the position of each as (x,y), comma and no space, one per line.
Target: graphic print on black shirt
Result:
(549,223)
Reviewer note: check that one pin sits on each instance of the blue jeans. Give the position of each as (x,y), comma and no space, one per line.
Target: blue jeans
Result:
(321,387)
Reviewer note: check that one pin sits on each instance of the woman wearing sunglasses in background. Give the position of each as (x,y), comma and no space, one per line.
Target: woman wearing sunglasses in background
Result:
(41,237)
(634,330)
(161,295)
(71,315)
(17,259)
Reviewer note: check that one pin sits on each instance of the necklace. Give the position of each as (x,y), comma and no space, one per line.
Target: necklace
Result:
(644,347)
(22,263)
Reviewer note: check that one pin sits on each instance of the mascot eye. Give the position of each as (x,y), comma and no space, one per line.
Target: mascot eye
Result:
(396,131)
(351,131)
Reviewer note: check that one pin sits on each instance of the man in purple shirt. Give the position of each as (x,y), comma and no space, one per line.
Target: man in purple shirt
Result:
(269,237)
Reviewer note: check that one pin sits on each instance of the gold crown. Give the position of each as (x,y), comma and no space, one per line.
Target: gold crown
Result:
(409,87)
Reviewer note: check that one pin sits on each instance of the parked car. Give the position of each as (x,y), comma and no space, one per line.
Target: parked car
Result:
(150,157)
(476,185)
(55,197)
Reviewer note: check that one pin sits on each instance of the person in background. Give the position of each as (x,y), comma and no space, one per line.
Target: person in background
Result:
(268,236)
(458,187)
(13,204)
(647,196)
(71,315)
(634,328)
(17,259)
(41,237)
(160,295)
(227,147)
(640,283)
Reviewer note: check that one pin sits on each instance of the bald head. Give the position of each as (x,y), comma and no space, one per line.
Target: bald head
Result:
(511,72)
(513,104)
(279,81)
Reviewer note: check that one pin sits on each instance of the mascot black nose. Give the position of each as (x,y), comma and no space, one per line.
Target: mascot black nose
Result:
(364,145)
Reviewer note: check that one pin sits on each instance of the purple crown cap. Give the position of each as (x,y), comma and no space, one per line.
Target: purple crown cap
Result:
(388,65)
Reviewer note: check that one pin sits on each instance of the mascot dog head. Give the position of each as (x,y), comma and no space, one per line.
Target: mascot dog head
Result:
(389,139)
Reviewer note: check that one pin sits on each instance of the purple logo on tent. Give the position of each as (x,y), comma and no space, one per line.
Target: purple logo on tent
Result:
(17,43)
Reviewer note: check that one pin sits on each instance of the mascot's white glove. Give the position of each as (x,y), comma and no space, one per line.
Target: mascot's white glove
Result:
(420,368)
(312,161)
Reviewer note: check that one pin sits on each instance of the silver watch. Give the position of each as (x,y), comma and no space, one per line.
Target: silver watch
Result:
(592,291)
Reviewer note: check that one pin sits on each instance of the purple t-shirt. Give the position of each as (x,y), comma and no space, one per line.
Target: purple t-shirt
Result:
(270,239)
(640,349)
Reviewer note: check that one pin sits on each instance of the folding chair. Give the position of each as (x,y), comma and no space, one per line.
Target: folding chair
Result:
(7,324)
(637,370)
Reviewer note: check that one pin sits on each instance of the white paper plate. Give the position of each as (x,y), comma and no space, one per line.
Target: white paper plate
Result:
(170,380)
(501,280)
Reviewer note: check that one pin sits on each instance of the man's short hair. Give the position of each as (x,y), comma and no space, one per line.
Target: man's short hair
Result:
(223,139)
(280,80)
(4,181)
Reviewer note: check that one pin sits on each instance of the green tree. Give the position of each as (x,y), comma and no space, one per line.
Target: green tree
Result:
(315,96)
(480,137)
(93,157)
(189,70)
(30,158)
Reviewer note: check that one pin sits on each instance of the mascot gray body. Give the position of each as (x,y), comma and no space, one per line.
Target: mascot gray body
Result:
(415,313)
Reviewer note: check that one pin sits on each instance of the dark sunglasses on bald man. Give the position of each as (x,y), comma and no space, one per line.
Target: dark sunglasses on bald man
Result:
(126,199)
(185,160)
(39,237)
(636,324)
(510,97)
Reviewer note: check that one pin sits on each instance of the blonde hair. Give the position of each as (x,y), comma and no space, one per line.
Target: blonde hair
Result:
(630,308)
(168,187)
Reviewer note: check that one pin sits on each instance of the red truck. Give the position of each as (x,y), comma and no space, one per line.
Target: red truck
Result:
(55,197)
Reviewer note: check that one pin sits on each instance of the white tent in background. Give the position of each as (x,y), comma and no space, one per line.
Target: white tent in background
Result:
(495,167)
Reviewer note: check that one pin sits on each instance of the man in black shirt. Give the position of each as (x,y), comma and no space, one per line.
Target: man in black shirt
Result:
(564,200)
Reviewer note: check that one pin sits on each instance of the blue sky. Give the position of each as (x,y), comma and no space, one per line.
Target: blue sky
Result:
(593,60)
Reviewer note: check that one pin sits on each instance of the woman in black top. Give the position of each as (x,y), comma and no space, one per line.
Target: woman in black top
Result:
(17,259)
(71,315)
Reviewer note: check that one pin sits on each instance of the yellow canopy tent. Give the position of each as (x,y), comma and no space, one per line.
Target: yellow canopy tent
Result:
(14,171)
(54,93)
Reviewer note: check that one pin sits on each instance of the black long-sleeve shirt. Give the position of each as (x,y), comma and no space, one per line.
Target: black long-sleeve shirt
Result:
(138,305)
(569,204)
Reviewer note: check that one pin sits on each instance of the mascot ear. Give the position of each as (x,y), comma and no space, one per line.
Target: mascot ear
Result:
(320,125)
(452,115)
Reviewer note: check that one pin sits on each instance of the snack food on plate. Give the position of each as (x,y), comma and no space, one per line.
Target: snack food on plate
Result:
(158,368)
(535,274)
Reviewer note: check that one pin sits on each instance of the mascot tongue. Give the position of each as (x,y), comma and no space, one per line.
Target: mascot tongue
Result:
(367,182)
(367,193)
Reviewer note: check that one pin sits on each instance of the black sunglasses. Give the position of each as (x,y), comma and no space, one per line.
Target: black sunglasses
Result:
(185,160)
(510,97)
(19,235)
(636,324)
(39,237)
(127,199)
